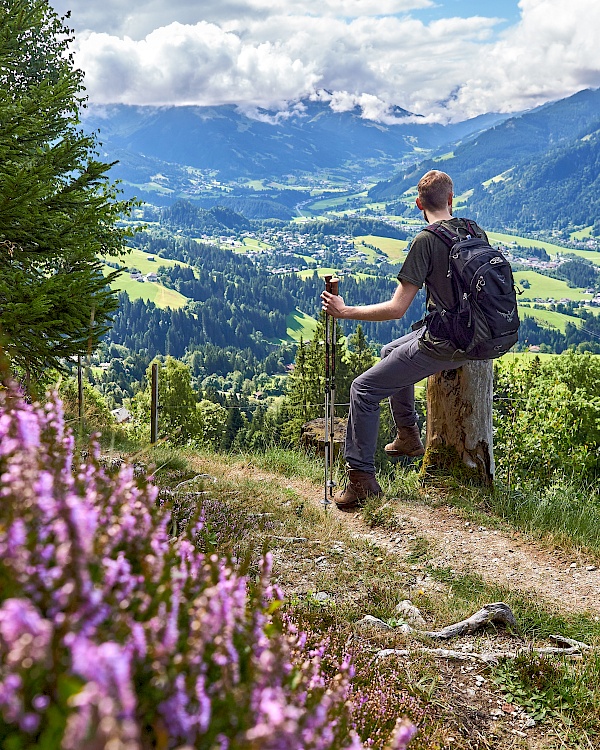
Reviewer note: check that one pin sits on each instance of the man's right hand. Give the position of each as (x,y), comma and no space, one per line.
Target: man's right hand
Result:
(333,304)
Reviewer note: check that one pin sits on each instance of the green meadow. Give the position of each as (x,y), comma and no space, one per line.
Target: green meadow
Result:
(328,203)
(141,260)
(550,247)
(549,317)
(253,244)
(546,287)
(394,249)
(300,325)
(148,291)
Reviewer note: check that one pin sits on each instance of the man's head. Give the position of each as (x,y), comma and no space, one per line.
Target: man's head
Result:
(434,192)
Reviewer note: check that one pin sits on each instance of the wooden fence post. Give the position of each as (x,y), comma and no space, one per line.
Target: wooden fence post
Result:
(80,392)
(154,405)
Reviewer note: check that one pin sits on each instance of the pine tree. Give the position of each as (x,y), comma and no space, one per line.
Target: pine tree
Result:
(58,208)
(306,385)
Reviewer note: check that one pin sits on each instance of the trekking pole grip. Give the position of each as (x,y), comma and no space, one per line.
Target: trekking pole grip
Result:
(332,284)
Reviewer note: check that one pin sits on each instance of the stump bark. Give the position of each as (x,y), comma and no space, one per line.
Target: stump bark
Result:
(459,423)
(312,435)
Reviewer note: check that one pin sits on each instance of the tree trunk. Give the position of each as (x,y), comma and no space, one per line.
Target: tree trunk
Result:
(459,423)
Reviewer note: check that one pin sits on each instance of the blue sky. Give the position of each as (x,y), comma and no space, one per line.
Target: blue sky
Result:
(444,60)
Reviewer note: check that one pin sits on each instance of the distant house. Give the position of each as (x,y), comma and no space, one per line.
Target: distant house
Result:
(121,415)
(151,276)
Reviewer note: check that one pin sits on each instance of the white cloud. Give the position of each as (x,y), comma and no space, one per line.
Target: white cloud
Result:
(199,64)
(267,52)
(550,54)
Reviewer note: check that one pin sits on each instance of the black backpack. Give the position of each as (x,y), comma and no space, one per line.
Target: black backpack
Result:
(485,322)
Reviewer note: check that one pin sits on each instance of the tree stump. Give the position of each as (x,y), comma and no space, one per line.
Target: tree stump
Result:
(459,424)
(312,435)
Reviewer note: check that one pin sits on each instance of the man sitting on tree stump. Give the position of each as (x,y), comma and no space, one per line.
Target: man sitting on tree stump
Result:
(408,359)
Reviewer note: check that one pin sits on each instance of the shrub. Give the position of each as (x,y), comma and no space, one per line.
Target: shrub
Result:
(114,636)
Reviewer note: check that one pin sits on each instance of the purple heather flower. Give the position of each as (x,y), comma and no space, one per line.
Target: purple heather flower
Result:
(403,734)
(108,665)
(28,428)
(18,618)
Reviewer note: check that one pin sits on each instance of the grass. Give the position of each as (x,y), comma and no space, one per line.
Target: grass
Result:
(582,234)
(567,512)
(550,247)
(149,291)
(545,287)
(549,317)
(394,249)
(141,260)
(328,203)
(254,244)
(300,325)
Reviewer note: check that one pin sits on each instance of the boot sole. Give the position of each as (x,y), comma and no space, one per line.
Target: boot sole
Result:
(414,454)
(357,503)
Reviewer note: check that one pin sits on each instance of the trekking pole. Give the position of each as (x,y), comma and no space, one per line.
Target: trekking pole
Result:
(331,285)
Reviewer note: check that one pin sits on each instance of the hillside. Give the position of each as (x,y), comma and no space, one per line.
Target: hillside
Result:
(556,190)
(507,145)
(224,142)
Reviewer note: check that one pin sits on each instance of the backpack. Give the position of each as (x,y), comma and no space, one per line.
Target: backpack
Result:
(485,322)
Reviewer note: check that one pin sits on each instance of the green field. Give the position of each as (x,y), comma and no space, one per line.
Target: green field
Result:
(140,260)
(582,234)
(550,248)
(546,287)
(321,272)
(308,272)
(549,317)
(394,249)
(327,203)
(300,325)
(253,244)
(149,291)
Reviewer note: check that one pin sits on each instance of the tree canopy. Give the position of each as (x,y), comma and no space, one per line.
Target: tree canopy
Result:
(59,211)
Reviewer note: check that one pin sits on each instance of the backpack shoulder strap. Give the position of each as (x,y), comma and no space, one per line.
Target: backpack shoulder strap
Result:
(446,235)
(473,229)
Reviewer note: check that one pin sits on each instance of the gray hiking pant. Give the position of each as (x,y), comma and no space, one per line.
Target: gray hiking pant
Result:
(402,365)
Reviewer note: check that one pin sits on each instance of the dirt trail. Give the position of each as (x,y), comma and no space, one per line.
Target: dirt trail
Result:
(566,580)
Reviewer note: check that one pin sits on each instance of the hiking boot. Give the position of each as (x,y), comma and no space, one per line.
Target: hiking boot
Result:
(407,442)
(361,484)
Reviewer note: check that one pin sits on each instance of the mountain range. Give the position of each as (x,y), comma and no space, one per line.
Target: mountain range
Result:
(538,170)
(223,140)
(535,170)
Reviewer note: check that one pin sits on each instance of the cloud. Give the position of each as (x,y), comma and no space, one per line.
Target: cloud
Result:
(550,54)
(141,17)
(269,52)
(199,64)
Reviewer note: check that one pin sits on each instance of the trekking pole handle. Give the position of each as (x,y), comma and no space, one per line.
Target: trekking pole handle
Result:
(332,284)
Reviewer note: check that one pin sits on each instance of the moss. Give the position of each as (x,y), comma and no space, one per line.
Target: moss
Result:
(445,462)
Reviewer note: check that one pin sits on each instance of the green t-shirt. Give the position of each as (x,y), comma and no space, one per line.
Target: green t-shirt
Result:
(427,263)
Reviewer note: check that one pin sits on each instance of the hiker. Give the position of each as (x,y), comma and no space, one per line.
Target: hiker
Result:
(406,360)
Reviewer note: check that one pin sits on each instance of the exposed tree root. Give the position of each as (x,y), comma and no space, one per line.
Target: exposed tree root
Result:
(496,613)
